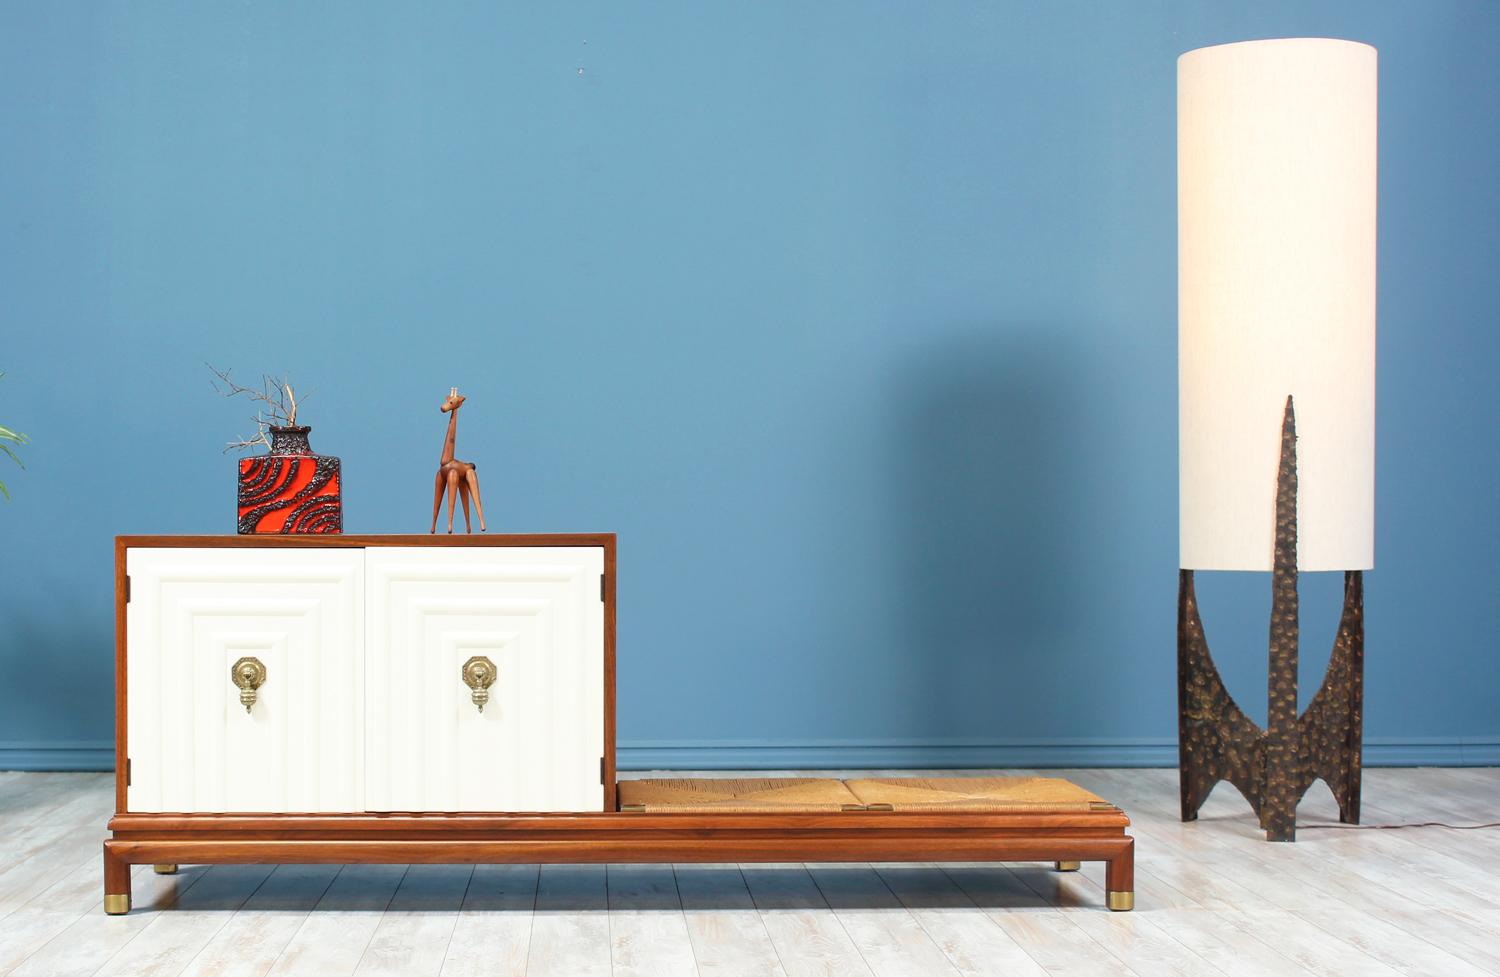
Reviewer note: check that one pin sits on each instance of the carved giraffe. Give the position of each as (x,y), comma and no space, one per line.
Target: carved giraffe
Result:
(457,476)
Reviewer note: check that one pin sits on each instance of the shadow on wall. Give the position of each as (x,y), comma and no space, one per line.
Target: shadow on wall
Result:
(994,510)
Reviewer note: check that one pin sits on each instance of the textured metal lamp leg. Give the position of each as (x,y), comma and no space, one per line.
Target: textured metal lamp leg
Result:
(1273,767)
(1278,810)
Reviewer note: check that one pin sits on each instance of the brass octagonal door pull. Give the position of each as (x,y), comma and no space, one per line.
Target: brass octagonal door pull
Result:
(479,675)
(248,675)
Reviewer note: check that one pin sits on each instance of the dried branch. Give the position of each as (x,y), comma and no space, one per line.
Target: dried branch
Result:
(249,443)
(276,394)
(260,438)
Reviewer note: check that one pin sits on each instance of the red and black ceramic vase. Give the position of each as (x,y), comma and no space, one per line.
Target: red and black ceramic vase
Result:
(290,490)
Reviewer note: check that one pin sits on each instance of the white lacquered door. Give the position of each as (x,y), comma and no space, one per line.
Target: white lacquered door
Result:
(534,615)
(193,614)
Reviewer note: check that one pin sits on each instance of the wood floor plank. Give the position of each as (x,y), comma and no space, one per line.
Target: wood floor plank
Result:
(170,941)
(973,943)
(62,904)
(1226,946)
(1058,945)
(1460,796)
(1295,878)
(1390,944)
(1177,883)
(728,933)
(333,937)
(492,937)
(1450,880)
(251,941)
(93,938)
(24,801)
(412,937)
(570,925)
(64,856)
(888,936)
(1479,845)
(995,888)
(1142,945)
(1061,890)
(1472,940)
(809,939)
(648,932)
(90,798)
(71,891)
(1315,949)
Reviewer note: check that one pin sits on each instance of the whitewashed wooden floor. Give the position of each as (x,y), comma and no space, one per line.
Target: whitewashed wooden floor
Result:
(1212,898)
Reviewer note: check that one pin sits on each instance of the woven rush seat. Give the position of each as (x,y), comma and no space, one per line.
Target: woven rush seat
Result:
(975,795)
(789,795)
(958,795)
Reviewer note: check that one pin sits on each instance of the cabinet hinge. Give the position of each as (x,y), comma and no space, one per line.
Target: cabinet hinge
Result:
(127,771)
(601,770)
(601,586)
(127,588)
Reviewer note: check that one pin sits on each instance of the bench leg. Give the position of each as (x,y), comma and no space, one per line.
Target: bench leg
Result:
(1119,879)
(116,883)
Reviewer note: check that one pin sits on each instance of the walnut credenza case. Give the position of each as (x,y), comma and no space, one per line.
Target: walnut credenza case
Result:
(429,699)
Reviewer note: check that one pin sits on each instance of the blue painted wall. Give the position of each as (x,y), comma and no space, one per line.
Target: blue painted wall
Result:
(856,321)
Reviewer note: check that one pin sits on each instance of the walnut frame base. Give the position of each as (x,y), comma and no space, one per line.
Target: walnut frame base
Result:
(854,836)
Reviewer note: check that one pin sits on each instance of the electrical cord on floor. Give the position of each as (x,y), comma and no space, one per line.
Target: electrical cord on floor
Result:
(1387,827)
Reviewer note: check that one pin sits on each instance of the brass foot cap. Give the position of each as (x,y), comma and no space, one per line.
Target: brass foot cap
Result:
(1121,902)
(1067,866)
(116,905)
(164,869)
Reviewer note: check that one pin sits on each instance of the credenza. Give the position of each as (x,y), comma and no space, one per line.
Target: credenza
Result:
(417,699)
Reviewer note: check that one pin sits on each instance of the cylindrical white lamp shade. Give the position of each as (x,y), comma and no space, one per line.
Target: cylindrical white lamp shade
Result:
(1276,279)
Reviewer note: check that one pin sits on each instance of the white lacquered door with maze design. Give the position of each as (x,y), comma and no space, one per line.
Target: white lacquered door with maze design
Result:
(484,685)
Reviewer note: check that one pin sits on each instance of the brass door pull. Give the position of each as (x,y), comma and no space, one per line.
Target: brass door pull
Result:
(479,675)
(248,675)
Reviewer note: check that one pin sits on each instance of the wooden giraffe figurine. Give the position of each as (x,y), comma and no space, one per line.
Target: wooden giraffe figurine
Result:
(458,476)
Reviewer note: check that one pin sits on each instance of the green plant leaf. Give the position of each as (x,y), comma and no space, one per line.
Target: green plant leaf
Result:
(14,437)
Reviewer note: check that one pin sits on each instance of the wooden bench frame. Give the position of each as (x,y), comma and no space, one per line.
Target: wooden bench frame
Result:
(167,840)
(608,835)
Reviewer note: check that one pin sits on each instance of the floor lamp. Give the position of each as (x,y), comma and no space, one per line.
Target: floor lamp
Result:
(1276,276)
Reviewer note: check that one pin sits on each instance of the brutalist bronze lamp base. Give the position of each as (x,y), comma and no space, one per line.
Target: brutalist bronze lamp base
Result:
(1274,767)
